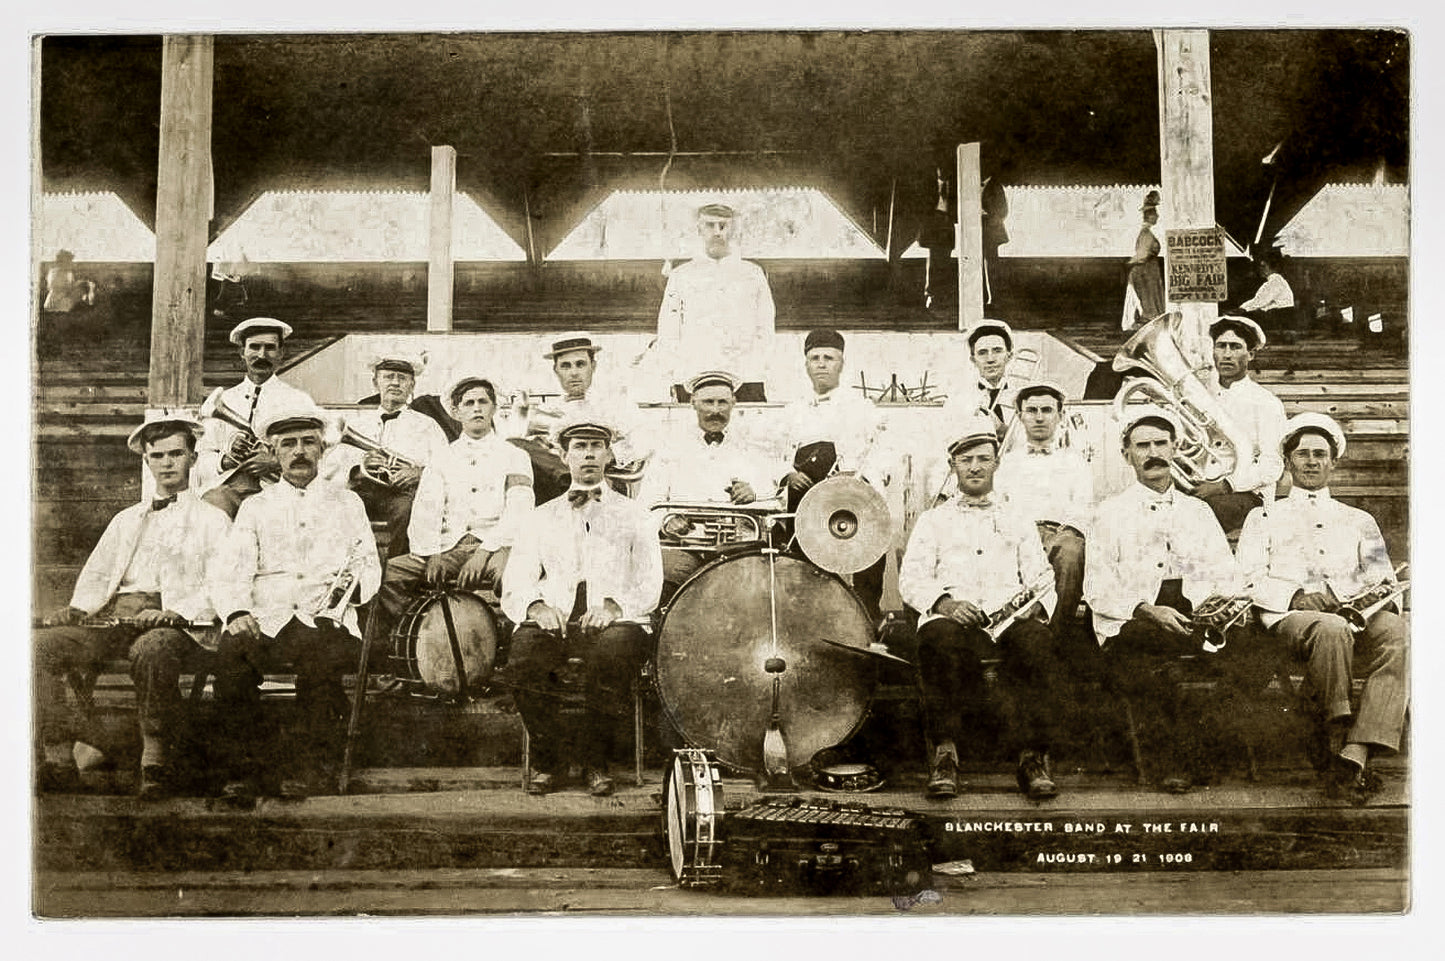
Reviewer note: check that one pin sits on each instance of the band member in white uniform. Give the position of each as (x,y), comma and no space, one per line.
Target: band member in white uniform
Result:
(1257,412)
(1055,487)
(1154,555)
(1306,554)
(835,431)
(150,568)
(583,580)
(967,559)
(718,306)
(221,478)
(990,347)
(396,428)
(469,508)
(295,548)
(707,463)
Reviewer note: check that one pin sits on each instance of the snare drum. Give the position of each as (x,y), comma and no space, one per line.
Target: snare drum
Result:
(446,643)
(693,818)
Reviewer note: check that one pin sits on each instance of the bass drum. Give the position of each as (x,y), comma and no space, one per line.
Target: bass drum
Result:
(692,818)
(716,640)
(443,637)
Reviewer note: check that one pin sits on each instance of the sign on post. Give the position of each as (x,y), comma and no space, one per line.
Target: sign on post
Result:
(1196,265)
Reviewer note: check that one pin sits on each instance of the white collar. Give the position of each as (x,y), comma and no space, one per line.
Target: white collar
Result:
(1149,495)
(483,441)
(1302,495)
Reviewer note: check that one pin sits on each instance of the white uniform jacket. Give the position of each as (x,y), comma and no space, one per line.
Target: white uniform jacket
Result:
(1140,539)
(1261,416)
(983,555)
(690,469)
(610,543)
(1053,484)
(465,492)
(241,398)
(719,312)
(284,550)
(1309,542)
(972,401)
(853,423)
(410,433)
(172,551)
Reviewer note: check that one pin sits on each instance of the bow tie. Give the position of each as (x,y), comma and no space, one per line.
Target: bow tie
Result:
(1040,450)
(712,436)
(979,503)
(392,415)
(579,496)
(161,503)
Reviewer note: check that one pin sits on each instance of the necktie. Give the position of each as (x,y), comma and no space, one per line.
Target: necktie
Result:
(712,436)
(392,415)
(993,405)
(255,399)
(579,496)
(161,503)
(579,603)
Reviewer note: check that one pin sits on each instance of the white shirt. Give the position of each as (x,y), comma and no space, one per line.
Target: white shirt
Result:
(1261,416)
(983,555)
(465,492)
(1273,294)
(173,551)
(1052,484)
(1310,542)
(412,434)
(720,310)
(616,412)
(853,424)
(284,550)
(1140,539)
(973,401)
(275,394)
(692,470)
(610,543)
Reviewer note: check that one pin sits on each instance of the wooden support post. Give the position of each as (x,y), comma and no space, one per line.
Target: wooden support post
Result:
(183,213)
(969,243)
(1186,160)
(440,269)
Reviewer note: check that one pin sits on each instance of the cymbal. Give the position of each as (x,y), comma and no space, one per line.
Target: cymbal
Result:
(871,651)
(842,524)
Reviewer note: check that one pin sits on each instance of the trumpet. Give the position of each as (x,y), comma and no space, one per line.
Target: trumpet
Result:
(1003,618)
(245,444)
(1210,443)
(387,472)
(1217,615)
(1359,608)
(343,584)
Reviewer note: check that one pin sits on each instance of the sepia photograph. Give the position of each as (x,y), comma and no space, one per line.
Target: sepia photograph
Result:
(755,473)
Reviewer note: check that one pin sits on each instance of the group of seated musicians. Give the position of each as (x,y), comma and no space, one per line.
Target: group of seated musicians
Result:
(587,570)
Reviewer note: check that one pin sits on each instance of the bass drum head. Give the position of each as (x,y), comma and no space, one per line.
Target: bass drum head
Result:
(421,642)
(716,637)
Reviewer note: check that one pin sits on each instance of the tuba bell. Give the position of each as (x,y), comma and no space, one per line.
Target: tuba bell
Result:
(1211,443)
(386,473)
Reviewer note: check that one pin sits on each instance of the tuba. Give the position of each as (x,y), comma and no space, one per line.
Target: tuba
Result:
(1210,443)
(386,473)
(245,444)
(1359,608)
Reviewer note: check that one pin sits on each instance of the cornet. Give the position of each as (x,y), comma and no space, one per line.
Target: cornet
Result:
(1359,608)
(1003,618)
(1217,615)
(386,473)
(245,444)
(343,584)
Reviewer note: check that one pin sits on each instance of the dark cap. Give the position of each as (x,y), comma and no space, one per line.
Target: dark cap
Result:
(823,338)
(996,327)
(1250,332)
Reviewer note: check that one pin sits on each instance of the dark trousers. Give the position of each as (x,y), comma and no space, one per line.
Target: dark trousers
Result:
(404,575)
(320,656)
(548,669)
(228,496)
(950,667)
(392,507)
(157,658)
(1065,549)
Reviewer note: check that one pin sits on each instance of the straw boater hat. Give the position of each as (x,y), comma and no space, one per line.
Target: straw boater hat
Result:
(1251,333)
(299,416)
(404,361)
(710,377)
(1313,421)
(138,437)
(258,325)
(576,340)
(583,423)
(971,432)
(1138,414)
(984,327)
(1039,387)
(716,210)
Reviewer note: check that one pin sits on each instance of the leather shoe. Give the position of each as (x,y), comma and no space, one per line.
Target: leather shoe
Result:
(153,783)
(943,780)
(1176,784)
(1033,776)
(541,783)
(598,783)
(1349,781)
